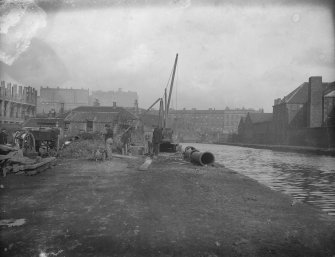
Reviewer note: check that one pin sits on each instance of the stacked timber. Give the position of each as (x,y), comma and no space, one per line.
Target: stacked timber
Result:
(13,161)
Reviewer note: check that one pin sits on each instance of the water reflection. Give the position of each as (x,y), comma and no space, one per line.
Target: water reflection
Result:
(308,178)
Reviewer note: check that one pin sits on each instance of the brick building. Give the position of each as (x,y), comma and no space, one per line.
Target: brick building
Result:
(211,119)
(61,99)
(310,106)
(256,128)
(329,108)
(17,103)
(94,119)
(206,125)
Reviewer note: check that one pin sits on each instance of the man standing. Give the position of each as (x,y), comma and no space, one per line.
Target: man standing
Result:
(3,137)
(108,140)
(148,142)
(156,139)
(125,139)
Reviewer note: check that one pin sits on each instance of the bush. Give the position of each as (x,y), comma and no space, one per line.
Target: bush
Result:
(81,149)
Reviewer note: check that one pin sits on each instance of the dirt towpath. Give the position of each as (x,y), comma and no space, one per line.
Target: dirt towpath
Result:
(86,208)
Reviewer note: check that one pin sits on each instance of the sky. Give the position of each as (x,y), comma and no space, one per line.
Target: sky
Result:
(231,53)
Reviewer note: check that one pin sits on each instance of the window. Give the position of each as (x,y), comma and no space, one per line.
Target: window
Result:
(89,126)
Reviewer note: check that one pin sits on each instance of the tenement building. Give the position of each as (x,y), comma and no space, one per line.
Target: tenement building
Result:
(17,103)
(61,99)
(120,97)
(207,125)
(306,115)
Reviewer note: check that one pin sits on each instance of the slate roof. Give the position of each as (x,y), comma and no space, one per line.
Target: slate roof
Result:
(298,95)
(330,94)
(260,117)
(43,122)
(104,114)
(329,87)
(97,109)
(98,116)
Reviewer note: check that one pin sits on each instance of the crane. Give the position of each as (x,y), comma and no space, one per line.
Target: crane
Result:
(166,144)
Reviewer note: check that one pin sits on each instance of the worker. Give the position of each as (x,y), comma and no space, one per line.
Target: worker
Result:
(125,139)
(156,140)
(148,142)
(108,140)
(3,137)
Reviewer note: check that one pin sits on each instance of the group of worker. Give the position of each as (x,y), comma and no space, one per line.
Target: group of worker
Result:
(110,140)
(152,140)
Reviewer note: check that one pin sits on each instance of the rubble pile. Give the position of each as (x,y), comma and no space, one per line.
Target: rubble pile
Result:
(82,149)
(12,160)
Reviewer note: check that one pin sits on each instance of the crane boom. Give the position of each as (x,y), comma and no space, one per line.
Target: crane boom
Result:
(166,142)
(171,86)
(153,104)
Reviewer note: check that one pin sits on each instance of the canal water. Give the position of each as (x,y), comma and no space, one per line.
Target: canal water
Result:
(306,177)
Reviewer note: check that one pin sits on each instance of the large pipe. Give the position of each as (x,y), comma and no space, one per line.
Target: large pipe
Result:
(202,158)
(188,151)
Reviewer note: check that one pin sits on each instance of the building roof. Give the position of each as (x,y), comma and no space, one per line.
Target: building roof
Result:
(105,114)
(260,117)
(106,117)
(298,95)
(43,122)
(329,87)
(330,94)
(97,109)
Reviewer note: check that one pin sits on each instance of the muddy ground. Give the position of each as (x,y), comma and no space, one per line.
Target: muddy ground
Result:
(87,208)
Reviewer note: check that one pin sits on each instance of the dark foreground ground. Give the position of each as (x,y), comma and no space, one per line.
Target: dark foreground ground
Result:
(86,208)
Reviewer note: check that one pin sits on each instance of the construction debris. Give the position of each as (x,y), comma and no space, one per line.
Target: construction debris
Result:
(82,149)
(100,154)
(13,161)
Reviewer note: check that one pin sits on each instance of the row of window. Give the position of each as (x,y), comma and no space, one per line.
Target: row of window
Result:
(229,117)
(8,122)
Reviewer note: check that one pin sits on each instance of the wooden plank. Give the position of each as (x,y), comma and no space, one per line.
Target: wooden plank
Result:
(37,165)
(4,157)
(146,164)
(7,148)
(124,156)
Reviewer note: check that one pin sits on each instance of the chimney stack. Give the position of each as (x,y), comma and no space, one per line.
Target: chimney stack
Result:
(314,108)
(114,104)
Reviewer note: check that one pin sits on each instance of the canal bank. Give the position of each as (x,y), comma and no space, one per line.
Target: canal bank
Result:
(287,148)
(309,178)
(86,208)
